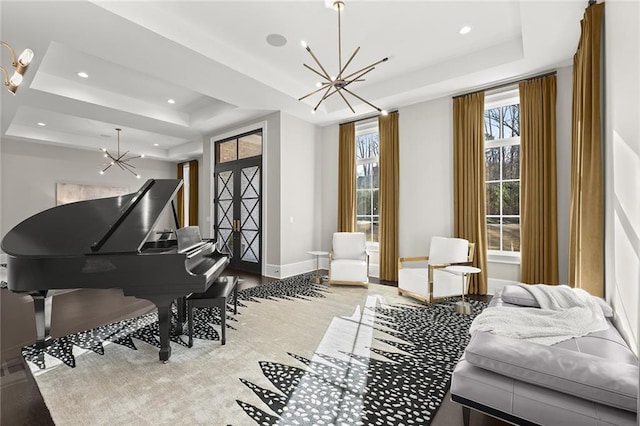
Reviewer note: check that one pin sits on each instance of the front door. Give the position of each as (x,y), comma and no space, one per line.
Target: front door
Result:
(238,202)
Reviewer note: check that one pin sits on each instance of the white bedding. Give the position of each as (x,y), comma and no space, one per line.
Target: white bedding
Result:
(564,313)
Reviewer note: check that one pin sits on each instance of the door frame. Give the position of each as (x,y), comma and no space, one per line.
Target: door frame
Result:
(261,125)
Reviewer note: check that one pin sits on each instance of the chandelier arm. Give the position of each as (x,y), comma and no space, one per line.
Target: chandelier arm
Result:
(120,158)
(323,98)
(6,76)
(357,78)
(326,74)
(105,169)
(130,171)
(342,69)
(111,156)
(365,68)
(14,61)
(317,72)
(362,99)
(324,86)
(346,101)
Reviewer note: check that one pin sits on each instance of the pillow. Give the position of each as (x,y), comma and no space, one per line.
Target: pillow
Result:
(583,375)
(518,295)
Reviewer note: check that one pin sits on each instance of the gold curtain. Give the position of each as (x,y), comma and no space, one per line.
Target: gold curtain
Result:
(586,233)
(389,195)
(347,178)
(468,181)
(180,207)
(538,189)
(193,193)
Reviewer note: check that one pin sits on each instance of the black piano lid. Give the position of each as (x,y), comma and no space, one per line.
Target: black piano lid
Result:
(107,225)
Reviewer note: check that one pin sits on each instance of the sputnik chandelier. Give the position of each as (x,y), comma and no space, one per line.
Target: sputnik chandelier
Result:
(338,84)
(119,160)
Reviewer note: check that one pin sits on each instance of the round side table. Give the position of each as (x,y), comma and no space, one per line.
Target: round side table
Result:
(462,307)
(317,279)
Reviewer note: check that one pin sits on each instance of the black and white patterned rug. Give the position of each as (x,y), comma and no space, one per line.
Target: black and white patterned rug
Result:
(399,375)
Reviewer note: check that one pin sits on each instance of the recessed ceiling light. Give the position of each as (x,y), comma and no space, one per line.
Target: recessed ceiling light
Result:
(83,74)
(41,124)
(465,30)
(171,101)
(276,40)
(156,144)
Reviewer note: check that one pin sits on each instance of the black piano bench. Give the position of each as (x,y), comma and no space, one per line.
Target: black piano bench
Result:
(216,295)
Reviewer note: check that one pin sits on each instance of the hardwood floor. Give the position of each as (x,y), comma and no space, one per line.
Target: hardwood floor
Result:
(20,400)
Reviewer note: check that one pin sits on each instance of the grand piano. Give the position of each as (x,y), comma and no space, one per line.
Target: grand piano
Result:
(106,243)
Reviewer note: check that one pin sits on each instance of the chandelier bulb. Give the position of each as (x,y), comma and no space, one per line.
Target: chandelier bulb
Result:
(138,176)
(303,44)
(101,172)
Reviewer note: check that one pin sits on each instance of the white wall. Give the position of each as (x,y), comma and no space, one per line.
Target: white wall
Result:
(563,160)
(299,198)
(329,136)
(426,175)
(30,171)
(622,160)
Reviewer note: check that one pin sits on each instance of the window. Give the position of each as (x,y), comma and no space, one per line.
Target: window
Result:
(186,190)
(502,173)
(367,179)
(239,147)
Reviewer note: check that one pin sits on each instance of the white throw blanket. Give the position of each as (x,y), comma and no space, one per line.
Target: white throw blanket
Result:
(564,313)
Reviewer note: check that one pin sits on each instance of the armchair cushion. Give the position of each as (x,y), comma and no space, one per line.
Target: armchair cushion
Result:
(349,245)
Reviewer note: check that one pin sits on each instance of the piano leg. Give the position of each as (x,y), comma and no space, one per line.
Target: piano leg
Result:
(181,304)
(164,324)
(42,307)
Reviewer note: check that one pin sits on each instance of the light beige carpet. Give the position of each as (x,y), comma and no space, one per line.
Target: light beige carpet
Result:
(286,361)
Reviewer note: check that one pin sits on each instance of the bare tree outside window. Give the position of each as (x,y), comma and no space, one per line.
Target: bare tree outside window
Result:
(502,177)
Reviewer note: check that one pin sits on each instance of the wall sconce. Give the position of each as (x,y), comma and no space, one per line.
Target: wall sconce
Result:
(20,64)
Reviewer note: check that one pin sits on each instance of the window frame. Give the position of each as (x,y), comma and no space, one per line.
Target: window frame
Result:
(499,100)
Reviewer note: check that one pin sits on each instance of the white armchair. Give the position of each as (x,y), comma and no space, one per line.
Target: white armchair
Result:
(348,259)
(425,281)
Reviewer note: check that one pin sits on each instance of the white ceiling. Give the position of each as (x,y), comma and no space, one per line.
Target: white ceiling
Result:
(213,59)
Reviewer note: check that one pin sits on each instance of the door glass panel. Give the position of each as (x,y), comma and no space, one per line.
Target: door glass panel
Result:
(227,151)
(250,214)
(250,146)
(250,247)
(250,182)
(225,212)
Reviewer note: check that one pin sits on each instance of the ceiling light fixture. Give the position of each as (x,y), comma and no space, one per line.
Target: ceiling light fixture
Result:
(338,84)
(83,74)
(120,160)
(465,30)
(171,101)
(41,124)
(20,64)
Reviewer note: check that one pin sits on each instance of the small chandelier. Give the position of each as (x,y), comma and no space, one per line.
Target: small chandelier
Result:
(119,160)
(338,84)
(20,64)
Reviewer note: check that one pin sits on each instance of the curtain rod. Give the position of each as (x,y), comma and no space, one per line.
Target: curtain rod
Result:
(367,117)
(508,83)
